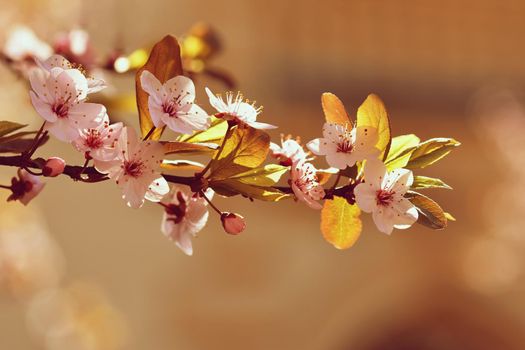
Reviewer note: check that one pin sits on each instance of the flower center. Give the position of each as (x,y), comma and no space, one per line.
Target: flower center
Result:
(133,168)
(345,146)
(61,109)
(170,108)
(384,198)
(93,139)
(177,210)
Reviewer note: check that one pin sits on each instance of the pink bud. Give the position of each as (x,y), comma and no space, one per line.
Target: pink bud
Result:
(233,223)
(54,166)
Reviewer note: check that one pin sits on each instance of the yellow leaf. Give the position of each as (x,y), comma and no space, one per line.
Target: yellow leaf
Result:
(178,165)
(214,133)
(174,147)
(431,151)
(164,63)
(265,176)
(372,113)
(340,223)
(232,187)
(400,151)
(245,149)
(334,110)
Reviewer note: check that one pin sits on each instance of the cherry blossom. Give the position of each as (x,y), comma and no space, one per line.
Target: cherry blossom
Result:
(344,147)
(136,169)
(236,109)
(59,96)
(25,187)
(185,215)
(172,104)
(99,142)
(382,194)
(289,152)
(305,185)
(233,223)
(58,61)
(22,43)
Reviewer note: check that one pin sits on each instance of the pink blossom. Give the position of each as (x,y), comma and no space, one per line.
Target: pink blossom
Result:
(289,152)
(305,185)
(99,142)
(59,97)
(233,223)
(382,194)
(185,215)
(172,104)
(54,166)
(237,110)
(136,169)
(25,187)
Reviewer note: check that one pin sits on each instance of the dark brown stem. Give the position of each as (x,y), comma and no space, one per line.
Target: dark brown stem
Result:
(148,135)
(210,203)
(34,145)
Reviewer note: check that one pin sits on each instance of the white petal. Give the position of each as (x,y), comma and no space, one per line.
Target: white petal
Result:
(383,218)
(150,83)
(181,87)
(332,131)
(216,102)
(261,126)
(337,160)
(365,197)
(157,190)
(42,108)
(375,172)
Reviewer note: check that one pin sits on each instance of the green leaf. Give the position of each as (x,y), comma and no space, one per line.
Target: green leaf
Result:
(340,222)
(265,176)
(372,113)
(19,145)
(7,127)
(430,213)
(214,133)
(400,151)
(232,187)
(245,149)
(421,182)
(430,151)
(175,147)
(164,63)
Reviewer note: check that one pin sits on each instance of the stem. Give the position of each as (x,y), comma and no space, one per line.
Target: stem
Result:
(148,135)
(210,203)
(6,187)
(36,141)
(336,181)
(83,168)
(219,151)
(32,172)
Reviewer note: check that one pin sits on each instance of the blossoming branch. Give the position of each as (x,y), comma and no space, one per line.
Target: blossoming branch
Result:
(368,170)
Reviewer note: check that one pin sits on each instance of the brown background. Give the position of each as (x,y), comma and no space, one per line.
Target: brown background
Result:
(447,68)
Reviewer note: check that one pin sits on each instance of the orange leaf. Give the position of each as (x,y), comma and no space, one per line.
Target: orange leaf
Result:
(164,63)
(340,223)
(334,110)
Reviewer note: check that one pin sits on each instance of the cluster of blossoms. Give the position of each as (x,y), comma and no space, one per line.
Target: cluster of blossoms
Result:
(374,176)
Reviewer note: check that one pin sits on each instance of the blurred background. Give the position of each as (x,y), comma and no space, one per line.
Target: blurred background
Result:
(80,270)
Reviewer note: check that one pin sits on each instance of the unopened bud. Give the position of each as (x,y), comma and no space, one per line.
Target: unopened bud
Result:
(54,166)
(233,223)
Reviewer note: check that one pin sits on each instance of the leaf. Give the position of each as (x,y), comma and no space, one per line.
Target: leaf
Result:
(175,147)
(232,187)
(245,149)
(421,182)
(169,164)
(164,62)
(430,151)
(449,217)
(334,110)
(265,176)
(7,127)
(340,223)
(19,145)
(430,213)
(214,133)
(372,113)
(400,151)
(323,175)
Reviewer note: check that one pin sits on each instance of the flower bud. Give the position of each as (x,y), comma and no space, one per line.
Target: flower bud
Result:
(233,223)
(54,166)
